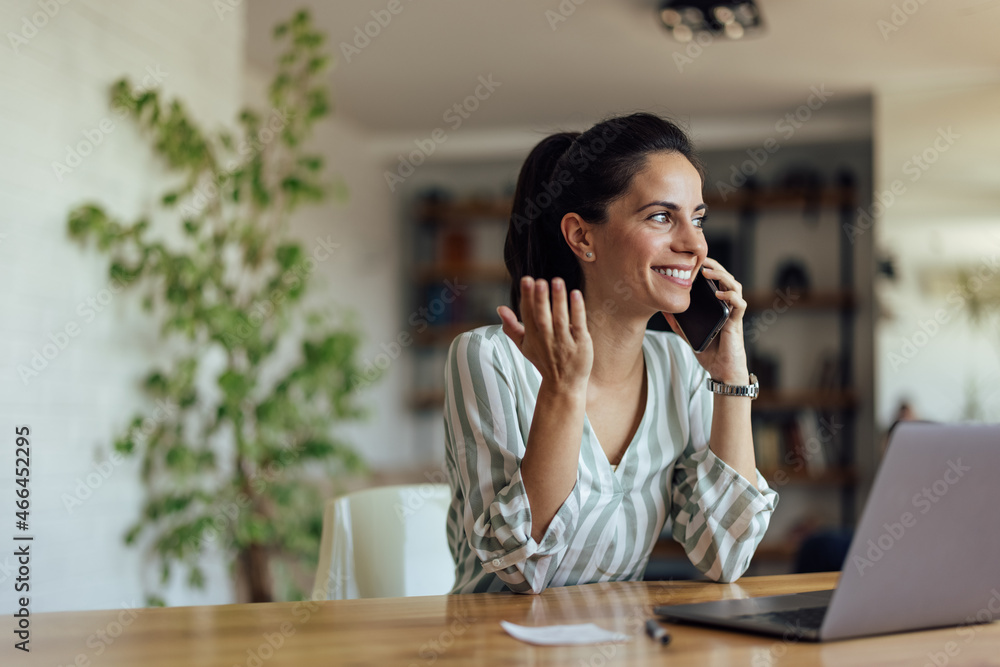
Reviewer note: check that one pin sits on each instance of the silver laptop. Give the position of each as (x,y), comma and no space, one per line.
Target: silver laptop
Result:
(925,554)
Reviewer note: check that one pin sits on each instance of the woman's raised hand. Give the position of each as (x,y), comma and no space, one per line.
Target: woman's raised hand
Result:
(553,337)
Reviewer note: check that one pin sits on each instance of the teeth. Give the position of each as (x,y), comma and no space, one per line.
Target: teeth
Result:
(675,273)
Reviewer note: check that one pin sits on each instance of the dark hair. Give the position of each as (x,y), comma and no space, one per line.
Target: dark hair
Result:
(582,173)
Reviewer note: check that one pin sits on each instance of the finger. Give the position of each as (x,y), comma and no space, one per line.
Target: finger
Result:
(724,279)
(528,303)
(542,310)
(578,316)
(737,304)
(560,314)
(511,327)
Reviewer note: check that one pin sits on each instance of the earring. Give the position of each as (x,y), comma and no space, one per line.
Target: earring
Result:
(590,254)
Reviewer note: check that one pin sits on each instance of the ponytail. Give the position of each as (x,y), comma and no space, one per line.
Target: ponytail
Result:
(534,245)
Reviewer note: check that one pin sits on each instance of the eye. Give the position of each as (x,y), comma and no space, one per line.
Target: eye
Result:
(699,221)
(662,216)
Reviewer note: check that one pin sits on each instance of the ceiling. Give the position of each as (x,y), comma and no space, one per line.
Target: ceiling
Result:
(609,57)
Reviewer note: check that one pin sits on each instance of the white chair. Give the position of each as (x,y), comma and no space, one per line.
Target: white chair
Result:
(388,541)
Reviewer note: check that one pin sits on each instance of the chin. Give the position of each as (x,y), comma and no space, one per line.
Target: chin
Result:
(675,306)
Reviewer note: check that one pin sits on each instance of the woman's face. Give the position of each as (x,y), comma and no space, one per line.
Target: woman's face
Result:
(652,243)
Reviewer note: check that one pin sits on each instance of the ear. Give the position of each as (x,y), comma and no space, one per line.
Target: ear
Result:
(579,235)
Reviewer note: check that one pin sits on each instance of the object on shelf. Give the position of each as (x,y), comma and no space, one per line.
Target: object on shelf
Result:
(792,277)
(767,445)
(765,367)
(456,246)
(808,181)
(830,376)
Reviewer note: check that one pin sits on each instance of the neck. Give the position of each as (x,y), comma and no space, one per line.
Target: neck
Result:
(617,347)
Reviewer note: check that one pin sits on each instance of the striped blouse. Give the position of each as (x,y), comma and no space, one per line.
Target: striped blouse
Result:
(606,528)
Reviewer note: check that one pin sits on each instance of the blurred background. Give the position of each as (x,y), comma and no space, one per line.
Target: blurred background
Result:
(852,152)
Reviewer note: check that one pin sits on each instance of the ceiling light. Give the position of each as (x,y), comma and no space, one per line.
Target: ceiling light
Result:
(732,19)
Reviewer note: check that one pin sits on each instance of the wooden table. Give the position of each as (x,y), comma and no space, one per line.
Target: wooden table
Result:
(465,630)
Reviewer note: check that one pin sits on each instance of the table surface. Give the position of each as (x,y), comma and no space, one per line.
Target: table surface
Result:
(465,630)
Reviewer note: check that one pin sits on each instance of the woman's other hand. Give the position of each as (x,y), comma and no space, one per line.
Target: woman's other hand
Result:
(726,357)
(553,337)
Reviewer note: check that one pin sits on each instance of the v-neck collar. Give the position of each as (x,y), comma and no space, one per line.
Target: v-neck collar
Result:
(599,451)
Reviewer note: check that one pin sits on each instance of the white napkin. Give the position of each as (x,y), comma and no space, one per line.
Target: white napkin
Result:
(563,635)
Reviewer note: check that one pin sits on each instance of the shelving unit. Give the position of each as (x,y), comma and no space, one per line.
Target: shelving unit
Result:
(460,241)
(761,212)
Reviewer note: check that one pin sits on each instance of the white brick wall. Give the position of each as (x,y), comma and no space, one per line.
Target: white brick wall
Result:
(52,90)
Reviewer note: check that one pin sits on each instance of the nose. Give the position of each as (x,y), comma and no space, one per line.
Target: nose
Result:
(689,239)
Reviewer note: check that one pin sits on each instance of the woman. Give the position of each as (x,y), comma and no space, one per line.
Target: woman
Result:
(574,433)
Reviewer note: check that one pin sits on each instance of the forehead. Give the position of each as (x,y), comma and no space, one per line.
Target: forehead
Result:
(667,176)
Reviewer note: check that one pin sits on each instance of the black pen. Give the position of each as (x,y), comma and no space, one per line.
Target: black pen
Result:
(656,632)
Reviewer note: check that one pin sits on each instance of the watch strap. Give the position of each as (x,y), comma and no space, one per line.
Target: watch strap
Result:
(750,391)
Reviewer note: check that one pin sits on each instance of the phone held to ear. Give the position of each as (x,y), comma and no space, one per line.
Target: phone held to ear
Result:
(705,316)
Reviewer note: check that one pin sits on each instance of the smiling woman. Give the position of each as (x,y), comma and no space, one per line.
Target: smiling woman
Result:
(573,437)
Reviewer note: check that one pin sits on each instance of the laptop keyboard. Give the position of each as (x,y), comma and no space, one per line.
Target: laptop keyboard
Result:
(807,618)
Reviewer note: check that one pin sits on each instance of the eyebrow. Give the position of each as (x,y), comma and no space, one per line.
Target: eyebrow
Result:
(669,205)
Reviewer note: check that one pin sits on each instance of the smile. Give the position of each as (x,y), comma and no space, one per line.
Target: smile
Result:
(680,275)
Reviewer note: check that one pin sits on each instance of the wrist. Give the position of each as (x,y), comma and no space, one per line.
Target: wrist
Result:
(737,378)
(566,393)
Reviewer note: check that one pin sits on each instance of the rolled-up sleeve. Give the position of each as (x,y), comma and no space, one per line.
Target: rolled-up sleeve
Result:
(486,443)
(718,515)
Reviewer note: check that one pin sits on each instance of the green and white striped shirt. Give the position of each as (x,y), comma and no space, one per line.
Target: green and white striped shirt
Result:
(606,528)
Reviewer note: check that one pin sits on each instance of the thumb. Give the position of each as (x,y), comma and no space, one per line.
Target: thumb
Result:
(511,327)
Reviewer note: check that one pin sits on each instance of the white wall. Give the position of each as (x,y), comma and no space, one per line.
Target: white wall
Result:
(53,93)
(939,146)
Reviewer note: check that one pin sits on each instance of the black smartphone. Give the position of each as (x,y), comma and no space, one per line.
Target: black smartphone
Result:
(705,316)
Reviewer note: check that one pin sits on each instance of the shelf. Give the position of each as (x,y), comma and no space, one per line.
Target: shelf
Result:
(829,477)
(778,198)
(472,271)
(444,334)
(815,399)
(464,211)
(668,548)
(835,300)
